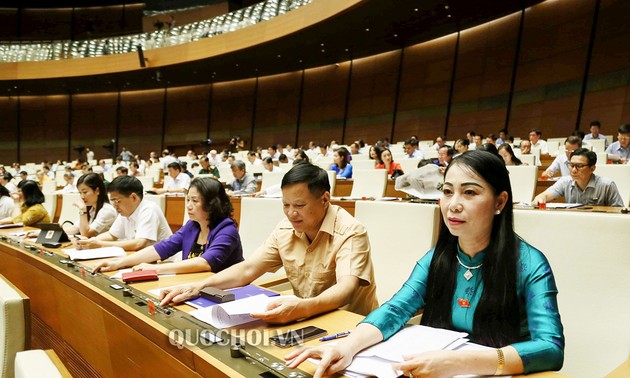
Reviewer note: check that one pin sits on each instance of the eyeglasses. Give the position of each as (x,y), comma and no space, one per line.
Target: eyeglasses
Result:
(623,137)
(116,201)
(578,166)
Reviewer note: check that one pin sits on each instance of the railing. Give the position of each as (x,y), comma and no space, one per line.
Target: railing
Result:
(67,49)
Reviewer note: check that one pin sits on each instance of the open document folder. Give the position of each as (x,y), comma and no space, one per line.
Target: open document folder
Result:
(377,360)
(234,313)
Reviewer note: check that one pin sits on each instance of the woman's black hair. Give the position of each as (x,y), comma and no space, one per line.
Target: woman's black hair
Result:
(377,150)
(4,191)
(214,199)
(510,151)
(344,154)
(94,181)
(489,147)
(380,154)
(497,318)
(31,193)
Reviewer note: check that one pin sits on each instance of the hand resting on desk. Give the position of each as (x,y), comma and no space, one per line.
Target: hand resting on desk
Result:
(179,294)
(281,310)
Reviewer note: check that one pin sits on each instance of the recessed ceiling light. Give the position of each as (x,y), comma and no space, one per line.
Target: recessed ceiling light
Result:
(367,29)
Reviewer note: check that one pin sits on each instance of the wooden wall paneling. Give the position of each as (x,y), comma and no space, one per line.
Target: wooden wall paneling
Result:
(232,111)
(43,128)
(8,23)
(424,89)
(549,75)
(371,98)
(141,118)
(607,97)
(46,24)
(187,117)
(93,122)
(8,131)
(482,78)
(98,22)
(277,105)
(323,104)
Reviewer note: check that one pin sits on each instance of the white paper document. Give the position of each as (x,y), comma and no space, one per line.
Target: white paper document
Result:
(96,253)
(378,359)
(233,313)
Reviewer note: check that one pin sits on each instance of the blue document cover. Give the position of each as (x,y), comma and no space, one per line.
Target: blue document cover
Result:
(239,293)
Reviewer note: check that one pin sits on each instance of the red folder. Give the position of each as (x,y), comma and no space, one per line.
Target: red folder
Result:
(139,275)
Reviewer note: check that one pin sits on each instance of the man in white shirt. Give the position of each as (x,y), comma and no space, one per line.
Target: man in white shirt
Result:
(268,165)
(595,126)
(5,180)
(140,223)
(534,137)
(253,158)
(526,149)
(561,162)
(167,158)
(179,183)
(89,154)
(411,149)
(273,152)
(213,158)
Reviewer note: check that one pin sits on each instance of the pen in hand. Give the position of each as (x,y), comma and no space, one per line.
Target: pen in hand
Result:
(335,336)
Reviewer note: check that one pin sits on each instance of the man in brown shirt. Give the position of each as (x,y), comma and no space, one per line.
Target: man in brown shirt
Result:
(324,250)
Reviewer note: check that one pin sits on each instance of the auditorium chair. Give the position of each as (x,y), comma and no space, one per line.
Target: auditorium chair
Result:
(15,320)
(368,183)
(523,179)
(39,363)
(394,254)
(620,174)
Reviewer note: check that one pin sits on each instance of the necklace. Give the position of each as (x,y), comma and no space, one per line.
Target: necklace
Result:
(468,274)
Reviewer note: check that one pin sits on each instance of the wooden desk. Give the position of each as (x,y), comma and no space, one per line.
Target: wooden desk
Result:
(96,331)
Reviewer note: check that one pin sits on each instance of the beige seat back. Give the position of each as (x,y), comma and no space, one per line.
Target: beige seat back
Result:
(271,178)
(369,183)
(69,213)
(620,174)
(590,258)
(15,325)
(400,234)
(523,179)
(39,363)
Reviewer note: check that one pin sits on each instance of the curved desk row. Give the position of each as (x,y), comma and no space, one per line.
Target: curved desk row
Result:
(98,331)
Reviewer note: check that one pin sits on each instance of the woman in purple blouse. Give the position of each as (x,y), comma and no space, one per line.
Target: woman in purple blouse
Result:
(209,241)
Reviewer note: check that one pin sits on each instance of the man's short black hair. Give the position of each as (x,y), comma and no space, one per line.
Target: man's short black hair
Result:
(595,123)
(590,155)
(625,128)
(412,142)
(537,131)
(122,170)
(312,175)
(125,185)
(175,165)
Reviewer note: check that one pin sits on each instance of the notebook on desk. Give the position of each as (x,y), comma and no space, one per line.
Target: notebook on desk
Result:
(51,233)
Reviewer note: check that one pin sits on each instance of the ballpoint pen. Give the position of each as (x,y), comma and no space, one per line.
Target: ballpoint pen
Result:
(335,336)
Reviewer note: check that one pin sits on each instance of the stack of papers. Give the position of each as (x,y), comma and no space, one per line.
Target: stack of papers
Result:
(233,313)
(378,359)
(96,253)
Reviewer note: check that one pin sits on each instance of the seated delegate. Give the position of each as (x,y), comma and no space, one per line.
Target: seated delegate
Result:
(96,214)
(31,211)
(582,185)
(209,241)
(480,278)
(324,250)
(341,163)
(386,161)
(139,223)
